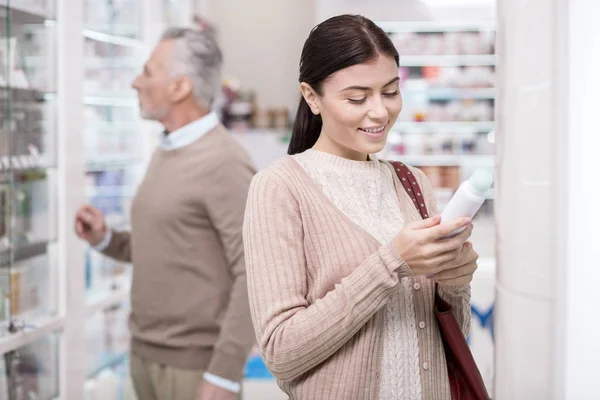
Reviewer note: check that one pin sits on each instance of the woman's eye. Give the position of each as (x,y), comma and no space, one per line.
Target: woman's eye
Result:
(357,101)
(392,94)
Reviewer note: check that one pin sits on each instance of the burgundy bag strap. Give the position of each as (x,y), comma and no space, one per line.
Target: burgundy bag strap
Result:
(456,347)
(409,182)
(413,189)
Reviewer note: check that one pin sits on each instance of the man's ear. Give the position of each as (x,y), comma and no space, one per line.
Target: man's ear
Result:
(181,87)
(311,97)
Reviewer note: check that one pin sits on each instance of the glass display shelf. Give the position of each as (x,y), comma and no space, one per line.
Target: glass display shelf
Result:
(27,46)
(112,381)
(28,198)
(114,17)
(108,280)
(31,371)
(110,67)
(111,136)
(106,338)
(29,290)
(113,56)
(43,9)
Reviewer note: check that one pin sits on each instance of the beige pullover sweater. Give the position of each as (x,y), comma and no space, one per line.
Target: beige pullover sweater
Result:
(189,302)
(338,313)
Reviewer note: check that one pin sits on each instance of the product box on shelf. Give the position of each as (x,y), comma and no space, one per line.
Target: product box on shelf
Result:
(31,208)
(15,75)
(29,216)
(110,203)
(447,177)
(444,43)
(28,290)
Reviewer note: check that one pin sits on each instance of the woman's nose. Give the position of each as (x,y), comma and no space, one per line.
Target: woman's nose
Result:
(378,110)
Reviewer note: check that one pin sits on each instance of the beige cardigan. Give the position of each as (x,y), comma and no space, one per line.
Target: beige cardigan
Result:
(317,285)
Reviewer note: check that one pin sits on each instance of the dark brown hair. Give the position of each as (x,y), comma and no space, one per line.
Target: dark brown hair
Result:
(332,45)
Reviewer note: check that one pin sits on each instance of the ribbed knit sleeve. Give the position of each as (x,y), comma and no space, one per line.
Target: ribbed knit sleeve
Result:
(294,335)
(459,297)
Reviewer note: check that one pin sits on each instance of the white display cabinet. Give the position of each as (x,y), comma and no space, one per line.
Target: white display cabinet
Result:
(70,133)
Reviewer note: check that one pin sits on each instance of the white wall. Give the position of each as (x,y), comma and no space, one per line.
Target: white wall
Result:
(378,10)
(526,209)
(262,41)
(580,344)
(409,10)
(547,213)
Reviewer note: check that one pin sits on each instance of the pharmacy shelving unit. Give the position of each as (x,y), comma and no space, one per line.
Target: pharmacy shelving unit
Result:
(29,309)
(69,134)
(447,72)
(114,50)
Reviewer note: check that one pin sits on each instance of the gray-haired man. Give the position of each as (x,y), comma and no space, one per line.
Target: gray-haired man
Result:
(190,320)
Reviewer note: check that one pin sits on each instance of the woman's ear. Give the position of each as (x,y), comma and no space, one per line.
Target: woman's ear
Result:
(311,97)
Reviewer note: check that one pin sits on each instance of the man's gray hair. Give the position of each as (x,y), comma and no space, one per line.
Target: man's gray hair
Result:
(197,56)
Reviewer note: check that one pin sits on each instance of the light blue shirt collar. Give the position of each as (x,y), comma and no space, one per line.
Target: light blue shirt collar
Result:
(189,133)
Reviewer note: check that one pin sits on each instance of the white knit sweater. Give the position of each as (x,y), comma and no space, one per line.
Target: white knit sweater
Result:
(364,191)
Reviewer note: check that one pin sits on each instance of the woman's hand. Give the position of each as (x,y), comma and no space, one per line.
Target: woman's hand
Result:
(459,271)
(423,247)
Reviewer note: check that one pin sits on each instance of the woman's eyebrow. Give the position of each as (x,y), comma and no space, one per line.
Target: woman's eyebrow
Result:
(368,88)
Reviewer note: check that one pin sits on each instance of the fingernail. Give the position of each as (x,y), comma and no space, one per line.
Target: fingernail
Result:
(429,276)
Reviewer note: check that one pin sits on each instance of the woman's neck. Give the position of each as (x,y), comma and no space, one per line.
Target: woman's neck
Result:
(326,145)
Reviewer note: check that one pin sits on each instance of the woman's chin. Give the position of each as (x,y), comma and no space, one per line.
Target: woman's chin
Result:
(373,147)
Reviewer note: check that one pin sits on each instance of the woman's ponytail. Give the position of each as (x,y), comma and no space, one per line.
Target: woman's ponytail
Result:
(306,130)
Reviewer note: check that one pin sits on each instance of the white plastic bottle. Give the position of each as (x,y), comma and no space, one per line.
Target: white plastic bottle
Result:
(468,198)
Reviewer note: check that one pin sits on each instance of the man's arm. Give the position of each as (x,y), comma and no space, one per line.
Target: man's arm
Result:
(90,225)
(225,201)
(116,244)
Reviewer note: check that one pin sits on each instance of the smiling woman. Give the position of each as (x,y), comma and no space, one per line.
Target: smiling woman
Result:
(356,119)
(342,271)
(350,93)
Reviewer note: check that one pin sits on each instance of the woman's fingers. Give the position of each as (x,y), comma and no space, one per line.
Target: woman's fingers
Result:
(457,272)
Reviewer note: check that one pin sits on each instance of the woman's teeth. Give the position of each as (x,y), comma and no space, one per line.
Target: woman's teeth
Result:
(373,130)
